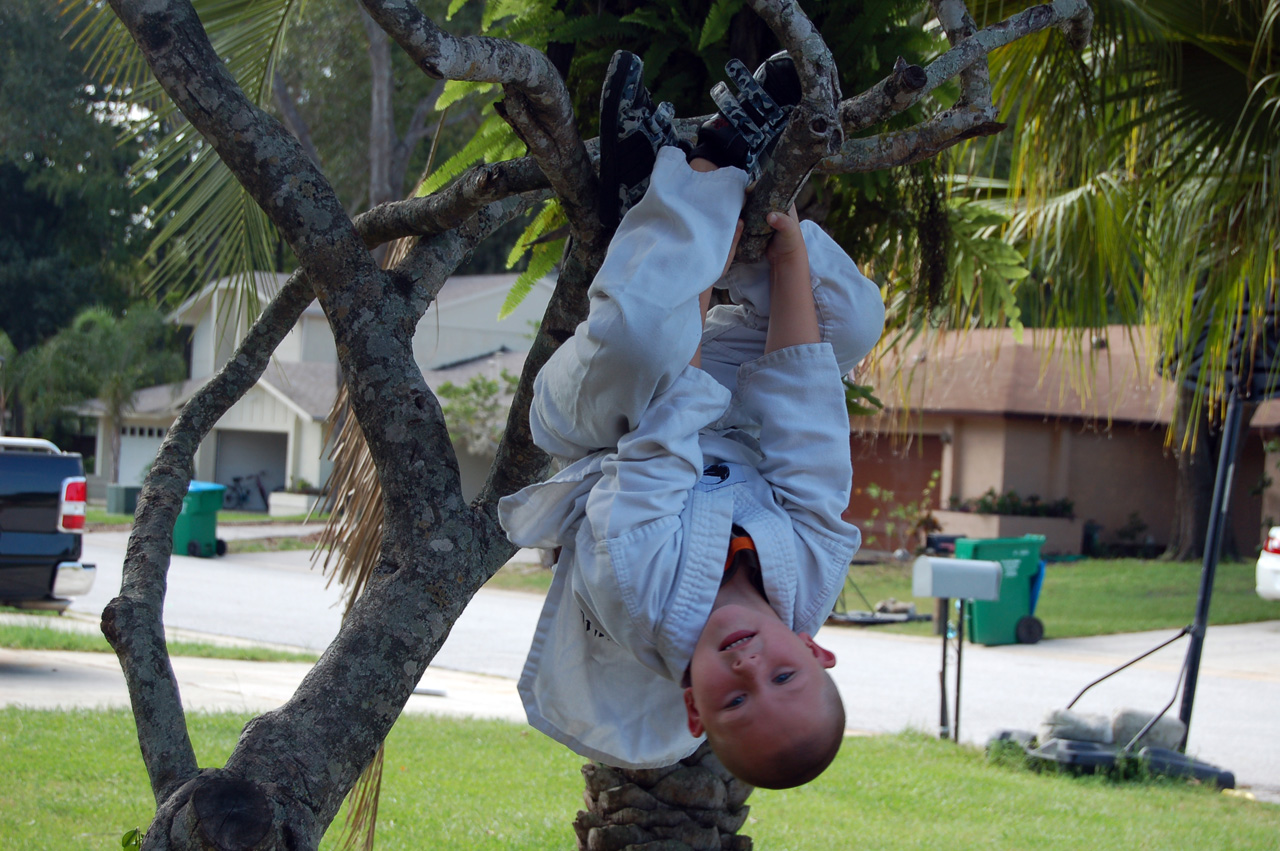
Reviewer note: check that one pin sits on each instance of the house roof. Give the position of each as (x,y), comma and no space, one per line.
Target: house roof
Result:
(308,388)
(491,365)
(458,290)
(162,401)
(1104,375)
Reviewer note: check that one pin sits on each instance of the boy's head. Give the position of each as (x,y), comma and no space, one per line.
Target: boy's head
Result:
(762,695)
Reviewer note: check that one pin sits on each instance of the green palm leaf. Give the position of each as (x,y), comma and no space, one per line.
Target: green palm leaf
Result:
(209,222)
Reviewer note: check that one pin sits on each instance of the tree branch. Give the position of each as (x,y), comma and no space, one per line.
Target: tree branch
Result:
(813,131)
(442,210)
(927,139)
(958,24)
(907,85)
(537,103)
(132,622)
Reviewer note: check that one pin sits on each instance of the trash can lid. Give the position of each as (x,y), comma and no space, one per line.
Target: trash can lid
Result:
(198,487)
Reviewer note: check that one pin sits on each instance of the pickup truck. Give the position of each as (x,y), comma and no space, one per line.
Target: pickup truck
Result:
(42,511)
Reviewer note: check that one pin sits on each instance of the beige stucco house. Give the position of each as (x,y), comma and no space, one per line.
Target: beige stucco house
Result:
(277,431)
(1084,419)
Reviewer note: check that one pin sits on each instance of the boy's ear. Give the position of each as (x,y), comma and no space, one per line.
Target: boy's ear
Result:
(822,654)
(691,710)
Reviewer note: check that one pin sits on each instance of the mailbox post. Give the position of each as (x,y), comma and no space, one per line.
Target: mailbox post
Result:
(960,579)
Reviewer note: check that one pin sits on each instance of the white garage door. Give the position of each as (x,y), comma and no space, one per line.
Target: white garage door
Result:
(138,448)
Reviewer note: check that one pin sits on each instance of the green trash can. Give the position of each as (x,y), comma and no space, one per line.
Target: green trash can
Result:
(195,531)
(1010,619)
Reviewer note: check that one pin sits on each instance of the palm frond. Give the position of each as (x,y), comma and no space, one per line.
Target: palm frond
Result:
(204,206)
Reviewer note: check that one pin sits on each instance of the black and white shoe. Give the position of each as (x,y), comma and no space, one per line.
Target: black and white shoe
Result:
(743,133)
(632,130)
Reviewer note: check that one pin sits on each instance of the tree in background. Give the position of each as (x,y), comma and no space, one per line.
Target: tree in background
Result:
(1158,209)
(292,768)
(71,226)
(104,357)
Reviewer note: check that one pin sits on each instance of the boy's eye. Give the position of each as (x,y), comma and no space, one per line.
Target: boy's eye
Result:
(782,678)
(735,702)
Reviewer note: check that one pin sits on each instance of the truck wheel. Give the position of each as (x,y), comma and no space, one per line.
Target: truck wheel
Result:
(1028,630)
(193,549)
(220,547)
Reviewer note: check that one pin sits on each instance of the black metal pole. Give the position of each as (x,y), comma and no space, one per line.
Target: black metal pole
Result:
(944,727)
(955,716)
(1212,551)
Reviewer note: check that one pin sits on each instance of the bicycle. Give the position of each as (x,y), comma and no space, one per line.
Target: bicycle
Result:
(238,494)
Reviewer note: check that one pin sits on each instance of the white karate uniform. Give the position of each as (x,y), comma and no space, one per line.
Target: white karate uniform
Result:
(663,458)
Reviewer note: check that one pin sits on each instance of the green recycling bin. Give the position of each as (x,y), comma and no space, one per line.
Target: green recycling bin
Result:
(1010,619)
(195,531)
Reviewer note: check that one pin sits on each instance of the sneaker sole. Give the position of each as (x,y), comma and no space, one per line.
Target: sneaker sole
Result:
(622,68)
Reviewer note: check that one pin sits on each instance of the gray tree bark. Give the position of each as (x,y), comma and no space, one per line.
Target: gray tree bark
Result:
(293,766)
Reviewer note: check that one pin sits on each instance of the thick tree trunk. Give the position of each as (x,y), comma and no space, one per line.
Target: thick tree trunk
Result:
(694,805)
(1198,444)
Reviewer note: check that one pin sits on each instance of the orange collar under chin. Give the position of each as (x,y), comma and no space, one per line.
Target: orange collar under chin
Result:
(736,545)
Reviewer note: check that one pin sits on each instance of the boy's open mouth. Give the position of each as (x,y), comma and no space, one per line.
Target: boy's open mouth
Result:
(742,636)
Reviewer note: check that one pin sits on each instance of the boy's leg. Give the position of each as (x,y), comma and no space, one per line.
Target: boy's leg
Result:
(644,324)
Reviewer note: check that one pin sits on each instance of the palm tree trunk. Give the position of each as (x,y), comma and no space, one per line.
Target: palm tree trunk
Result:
(1197,467)
(113,423)
(694,805)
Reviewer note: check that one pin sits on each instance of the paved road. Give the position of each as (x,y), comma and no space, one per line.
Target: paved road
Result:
(889,682)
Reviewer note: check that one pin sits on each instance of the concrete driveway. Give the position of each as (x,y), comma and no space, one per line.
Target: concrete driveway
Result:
(889,682)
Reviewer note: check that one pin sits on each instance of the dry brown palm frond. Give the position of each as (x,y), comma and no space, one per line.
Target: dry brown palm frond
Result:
(352,537)
(362,815)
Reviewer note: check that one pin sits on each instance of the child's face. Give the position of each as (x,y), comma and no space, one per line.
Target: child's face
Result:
(752,676)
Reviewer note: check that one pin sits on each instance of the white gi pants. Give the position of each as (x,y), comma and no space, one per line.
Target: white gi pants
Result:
(644,323)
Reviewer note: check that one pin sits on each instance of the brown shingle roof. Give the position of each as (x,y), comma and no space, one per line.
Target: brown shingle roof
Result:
(1046,374)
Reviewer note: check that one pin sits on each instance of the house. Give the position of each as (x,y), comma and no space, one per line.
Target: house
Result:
(1065,417)
(275,435)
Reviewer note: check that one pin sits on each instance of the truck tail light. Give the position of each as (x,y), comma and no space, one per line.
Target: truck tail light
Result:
(75,493)
(1273,541)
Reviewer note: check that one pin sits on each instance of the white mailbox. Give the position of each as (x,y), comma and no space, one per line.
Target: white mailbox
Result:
(956,578)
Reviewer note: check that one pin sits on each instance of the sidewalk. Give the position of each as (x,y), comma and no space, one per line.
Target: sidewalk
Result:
(45,679)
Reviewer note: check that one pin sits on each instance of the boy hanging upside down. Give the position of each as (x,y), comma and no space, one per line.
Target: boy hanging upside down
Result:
(706,455)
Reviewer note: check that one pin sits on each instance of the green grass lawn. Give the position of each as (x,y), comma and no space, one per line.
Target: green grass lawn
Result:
(74,780)
(1098,596)
(40,631)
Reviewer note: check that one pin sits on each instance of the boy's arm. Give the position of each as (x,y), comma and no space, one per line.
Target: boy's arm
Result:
(793,319)
(794,391)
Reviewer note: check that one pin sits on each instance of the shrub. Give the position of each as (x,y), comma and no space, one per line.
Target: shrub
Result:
(1009,503)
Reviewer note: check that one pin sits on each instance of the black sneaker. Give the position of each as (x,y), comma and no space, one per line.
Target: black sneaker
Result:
(747,127)
(632,130)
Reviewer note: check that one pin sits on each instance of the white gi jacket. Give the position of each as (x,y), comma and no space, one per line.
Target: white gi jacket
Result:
(663,458)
